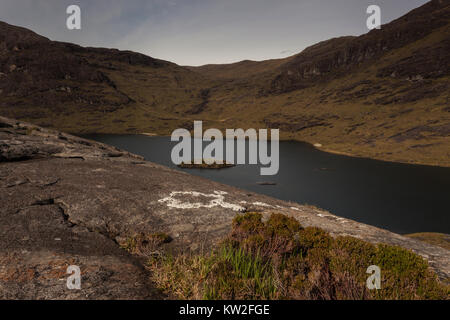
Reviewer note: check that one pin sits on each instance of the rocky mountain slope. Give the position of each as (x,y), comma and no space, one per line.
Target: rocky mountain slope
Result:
(70,201)
(62,84)
(383,95)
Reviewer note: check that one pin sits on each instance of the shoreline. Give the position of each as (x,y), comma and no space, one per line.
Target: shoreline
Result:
(312,145)
(331,152)
(327,150)
(414,163)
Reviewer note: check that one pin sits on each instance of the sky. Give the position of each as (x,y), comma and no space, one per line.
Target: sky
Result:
(198,32)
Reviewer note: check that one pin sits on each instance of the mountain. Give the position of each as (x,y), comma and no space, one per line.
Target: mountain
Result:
(383,95)
(64,85)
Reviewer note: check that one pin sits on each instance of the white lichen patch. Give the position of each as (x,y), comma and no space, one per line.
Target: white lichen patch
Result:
(262,204)
(323,215)
(217,199)
(339,219)
(197,200)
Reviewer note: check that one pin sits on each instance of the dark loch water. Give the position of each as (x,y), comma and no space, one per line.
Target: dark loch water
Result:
(398,197)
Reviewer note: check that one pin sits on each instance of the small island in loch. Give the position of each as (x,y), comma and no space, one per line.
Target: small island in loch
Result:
(206,165)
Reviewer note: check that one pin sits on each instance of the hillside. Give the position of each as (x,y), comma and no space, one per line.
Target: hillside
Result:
(382,95)
(88,89)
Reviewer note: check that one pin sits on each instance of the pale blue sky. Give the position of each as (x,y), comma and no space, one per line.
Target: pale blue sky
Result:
(196,32)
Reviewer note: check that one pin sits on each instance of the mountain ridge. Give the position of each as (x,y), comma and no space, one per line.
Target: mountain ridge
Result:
(383,95)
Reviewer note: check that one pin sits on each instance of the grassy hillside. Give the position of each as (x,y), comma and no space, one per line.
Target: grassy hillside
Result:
(383,95)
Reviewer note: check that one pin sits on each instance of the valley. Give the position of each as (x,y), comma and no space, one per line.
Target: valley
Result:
(383,95)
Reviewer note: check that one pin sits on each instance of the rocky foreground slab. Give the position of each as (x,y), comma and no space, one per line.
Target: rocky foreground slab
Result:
(67,201)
